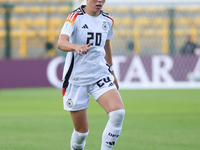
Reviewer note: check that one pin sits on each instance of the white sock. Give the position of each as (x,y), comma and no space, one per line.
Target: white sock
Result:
(112,129)
(78,140)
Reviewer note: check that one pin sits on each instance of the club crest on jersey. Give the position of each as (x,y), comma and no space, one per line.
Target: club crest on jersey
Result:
(104,26)
(69,103)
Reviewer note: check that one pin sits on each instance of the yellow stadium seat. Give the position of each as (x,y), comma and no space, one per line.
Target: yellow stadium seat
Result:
(20,9)
(142,21)
(180,32)
(108,9)
(30,1)
(57,32)
(40,22)
(43,33)
(117,33)
(56,21)
(14,1)
(2,10)
(2,23)
(161,9)
(44,0)
(2,33)
(28,21)
(64,9)
(193,9)
(148,32)
(127,21)
(59,0)
(117,21)
(35,9)
(15,33)
(69,0)
(3,1)
(197,21)
(137,9)
(50,9)
(180,9)
(122,9)
(182,21)
(160,21)
(14,22)
(151,9)
(123,32)
(31,33)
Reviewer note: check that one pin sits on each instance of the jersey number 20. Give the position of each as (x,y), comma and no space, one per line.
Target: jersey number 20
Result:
(91,38)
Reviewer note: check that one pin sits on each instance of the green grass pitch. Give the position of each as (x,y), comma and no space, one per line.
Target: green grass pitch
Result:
(34,119)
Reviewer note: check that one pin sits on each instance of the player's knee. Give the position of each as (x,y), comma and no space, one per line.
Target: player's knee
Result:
(80,137)
(117,117)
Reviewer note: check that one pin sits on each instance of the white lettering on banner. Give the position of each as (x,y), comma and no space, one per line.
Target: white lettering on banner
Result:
(161,76)
(52,71)
(136,70)
(159,71)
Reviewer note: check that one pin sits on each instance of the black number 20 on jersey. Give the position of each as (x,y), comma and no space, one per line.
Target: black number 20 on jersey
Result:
(91,38)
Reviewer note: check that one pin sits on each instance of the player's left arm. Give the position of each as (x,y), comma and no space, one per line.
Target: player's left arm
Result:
(108,58)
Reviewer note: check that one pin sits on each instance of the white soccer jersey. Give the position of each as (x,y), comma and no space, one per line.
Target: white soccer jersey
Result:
(83,29)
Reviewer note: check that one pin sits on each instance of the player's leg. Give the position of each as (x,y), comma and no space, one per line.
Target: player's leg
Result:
(80,133)
(76,100)
(111,100)
(112,103)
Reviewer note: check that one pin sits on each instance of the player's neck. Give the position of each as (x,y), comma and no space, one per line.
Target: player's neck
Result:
(90,12)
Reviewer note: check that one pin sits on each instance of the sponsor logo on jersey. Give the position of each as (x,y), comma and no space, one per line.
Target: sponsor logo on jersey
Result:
(85,27)
(111,84)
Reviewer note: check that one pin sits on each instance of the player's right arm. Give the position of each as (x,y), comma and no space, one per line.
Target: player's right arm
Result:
(65,45)
(66,33)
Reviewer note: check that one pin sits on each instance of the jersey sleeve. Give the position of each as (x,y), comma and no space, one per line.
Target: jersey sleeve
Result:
(68,26)
(111,31)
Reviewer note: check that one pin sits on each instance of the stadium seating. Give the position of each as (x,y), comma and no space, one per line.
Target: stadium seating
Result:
(2,34)
(33,19)
(2,22)
(14,22)
(15,1)
(50,9)
(56,21)
(63,9)
(38,22)
(20,9)
(192,9)
(108,9)
(35,9)
(122,9)
(30,1)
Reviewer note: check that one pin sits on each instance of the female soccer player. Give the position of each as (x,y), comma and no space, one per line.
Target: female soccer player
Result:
(85,37)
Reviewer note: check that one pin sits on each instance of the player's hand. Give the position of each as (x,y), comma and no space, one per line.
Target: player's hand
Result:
(83,49)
